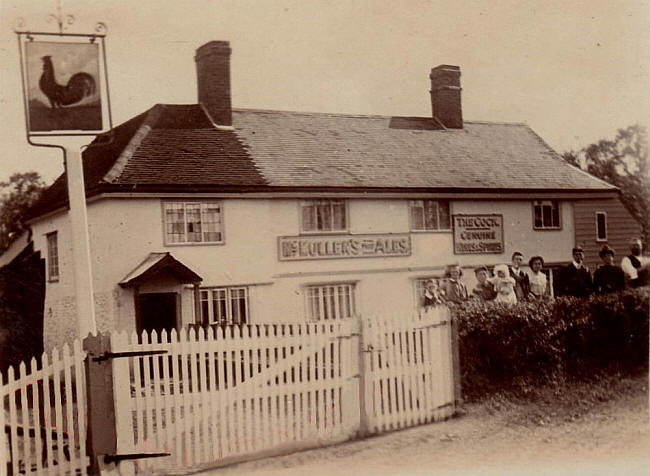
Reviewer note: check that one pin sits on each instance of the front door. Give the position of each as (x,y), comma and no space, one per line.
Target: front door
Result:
(157,312)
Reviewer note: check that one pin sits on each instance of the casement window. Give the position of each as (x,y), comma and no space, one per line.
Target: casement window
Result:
(546,215)
(52,256)
(430,215)
(193,222)
(601,226)
(331,301)
(225,306)
(323,215)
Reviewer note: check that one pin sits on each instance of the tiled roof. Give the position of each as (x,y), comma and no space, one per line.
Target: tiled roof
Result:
(177,148)
(314,150)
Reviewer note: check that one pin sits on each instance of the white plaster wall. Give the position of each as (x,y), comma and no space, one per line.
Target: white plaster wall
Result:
(124,231)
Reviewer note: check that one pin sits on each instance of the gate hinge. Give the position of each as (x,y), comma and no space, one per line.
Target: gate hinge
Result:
(135,353)
(117,458)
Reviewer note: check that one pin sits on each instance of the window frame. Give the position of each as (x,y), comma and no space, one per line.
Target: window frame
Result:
(412,227)
(53,269)
(228,305)
(353,301)
(604,215)
(558,205)
(346,210)
(201,203)
(418,285)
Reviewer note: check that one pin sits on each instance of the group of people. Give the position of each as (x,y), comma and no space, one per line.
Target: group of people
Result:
(511,284)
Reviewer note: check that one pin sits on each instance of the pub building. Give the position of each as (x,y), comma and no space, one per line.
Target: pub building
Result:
(206,214)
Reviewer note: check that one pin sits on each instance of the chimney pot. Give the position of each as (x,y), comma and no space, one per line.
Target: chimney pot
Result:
(213,80)
(445,95)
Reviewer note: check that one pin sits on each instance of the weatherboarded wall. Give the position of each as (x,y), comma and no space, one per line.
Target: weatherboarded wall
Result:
(621,227)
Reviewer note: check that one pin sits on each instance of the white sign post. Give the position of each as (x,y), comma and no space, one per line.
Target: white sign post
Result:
(66,102)
(83,276)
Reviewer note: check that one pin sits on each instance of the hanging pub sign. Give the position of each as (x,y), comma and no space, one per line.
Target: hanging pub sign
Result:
(64,85)
(478,234)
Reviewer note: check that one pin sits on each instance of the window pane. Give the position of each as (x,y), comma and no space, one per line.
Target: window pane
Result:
(193,214)
(417,214)
(338,212)
(52,256)
(547,217)
(175,222)
(538,216)
(238,305)
(211,222)
(430,215)
(219,306)
(324,216)
(308,217)
(601,226)
(556,214)
(444,222)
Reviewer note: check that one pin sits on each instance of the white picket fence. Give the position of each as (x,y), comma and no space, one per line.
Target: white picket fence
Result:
(227,395)
(409,370)
(43,415)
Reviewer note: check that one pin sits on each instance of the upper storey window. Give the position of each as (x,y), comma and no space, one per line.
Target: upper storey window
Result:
(193,222)
(323,215)
(430,215)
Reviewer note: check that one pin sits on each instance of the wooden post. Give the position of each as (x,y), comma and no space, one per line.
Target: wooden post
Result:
(363,411)
(101,437)
(455,361)
(81,261)
(119,342)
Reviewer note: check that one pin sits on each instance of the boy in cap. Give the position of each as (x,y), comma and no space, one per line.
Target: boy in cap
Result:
(575,278)
(608,278)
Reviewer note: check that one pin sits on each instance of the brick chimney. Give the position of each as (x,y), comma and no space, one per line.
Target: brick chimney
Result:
(213,80)
(445,96)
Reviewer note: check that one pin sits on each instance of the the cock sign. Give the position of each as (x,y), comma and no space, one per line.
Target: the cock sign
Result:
(63,89)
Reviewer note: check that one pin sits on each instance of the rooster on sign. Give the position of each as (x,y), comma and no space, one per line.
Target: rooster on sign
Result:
(79,86)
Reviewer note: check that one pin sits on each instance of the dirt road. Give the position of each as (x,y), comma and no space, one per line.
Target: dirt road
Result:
(490,439)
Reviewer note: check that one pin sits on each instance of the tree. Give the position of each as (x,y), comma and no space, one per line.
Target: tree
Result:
(16,196)
(623,162)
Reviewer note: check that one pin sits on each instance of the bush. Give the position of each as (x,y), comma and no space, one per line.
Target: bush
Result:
(512,348)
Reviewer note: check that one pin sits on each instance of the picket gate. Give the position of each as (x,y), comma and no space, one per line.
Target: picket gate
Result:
(212,397)
(44,415)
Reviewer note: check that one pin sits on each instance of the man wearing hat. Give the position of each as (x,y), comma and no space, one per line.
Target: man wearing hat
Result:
(575,278)
(608,278)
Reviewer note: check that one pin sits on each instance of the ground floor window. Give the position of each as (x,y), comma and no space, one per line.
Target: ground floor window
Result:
(421,287)
(225,306)
(331,301)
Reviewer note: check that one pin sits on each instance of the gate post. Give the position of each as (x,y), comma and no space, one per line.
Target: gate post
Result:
(101,437)
(122,401)
(363,410)
(455,361)
(108,405)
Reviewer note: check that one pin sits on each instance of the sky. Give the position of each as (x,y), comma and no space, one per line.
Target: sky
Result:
(574,71)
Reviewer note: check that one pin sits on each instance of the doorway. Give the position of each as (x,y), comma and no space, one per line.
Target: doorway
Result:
(157,311)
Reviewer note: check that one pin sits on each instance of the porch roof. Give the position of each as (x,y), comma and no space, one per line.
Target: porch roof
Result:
(156,263)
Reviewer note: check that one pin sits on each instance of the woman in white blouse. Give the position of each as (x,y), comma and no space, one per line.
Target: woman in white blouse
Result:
(537,279)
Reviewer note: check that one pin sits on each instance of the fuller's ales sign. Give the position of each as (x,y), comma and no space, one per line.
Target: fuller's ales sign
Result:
(478,234)
(293,248)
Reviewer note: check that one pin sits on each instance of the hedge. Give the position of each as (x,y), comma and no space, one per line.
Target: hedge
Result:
(504,347)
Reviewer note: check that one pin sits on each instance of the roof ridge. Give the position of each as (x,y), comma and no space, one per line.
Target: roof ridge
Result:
(120,163)
(371,116)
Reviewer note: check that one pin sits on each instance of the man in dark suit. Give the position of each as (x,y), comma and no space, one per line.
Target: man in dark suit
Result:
(575,278)
(522,283)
